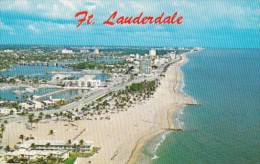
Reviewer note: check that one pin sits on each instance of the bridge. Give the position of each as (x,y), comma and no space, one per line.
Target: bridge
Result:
(64,72)
(36,97)
(86,72)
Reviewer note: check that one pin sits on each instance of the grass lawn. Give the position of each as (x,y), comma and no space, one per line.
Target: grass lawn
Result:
(70,160)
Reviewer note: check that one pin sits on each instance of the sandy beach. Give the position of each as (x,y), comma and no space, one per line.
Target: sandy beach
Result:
(122,137)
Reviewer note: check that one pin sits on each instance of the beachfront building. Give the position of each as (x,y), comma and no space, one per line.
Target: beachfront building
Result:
(48,103)
(32,105)
(52,102)
(160,61)
(172,55)
(33,155)
(84,82)
(145,66)
(33,149)
(65,51)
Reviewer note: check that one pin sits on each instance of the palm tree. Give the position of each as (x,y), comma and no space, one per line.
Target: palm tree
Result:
(51,132)
(61,114)
(77,118)
(21,137)
(7,148)
(57,115)
(48,144)
(32,145)
(69,115)
(2,128)
(75,148)
(40,115)
(11,112)
(81,142)
(69,142)
(36,121)
(31,119)
(47,116)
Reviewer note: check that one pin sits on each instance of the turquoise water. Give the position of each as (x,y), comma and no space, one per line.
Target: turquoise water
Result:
(8,94)
(225,128)
(67,95)
(40,70)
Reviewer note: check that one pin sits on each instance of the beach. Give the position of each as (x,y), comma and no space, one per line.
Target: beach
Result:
(122,137)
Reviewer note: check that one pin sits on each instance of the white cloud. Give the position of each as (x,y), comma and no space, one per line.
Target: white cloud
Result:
(46,27)
(62,9)
(33,28)
(5,27)
(197,14)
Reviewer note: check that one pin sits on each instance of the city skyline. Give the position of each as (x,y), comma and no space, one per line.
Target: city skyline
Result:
(224,24)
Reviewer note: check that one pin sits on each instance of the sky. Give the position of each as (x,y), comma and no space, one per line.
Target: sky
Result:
(207,23)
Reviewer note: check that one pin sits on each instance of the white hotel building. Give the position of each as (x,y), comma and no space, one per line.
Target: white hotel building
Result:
(84,82)
(65,51)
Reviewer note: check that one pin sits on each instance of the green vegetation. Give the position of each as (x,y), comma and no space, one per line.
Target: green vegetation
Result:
(79,154)
(99,66)
(84,154)
(154,67)
(29,55)
(146,86)
(70,160)
(48,160)
(2,129)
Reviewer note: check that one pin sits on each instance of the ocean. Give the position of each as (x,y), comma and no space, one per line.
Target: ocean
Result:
(225,127)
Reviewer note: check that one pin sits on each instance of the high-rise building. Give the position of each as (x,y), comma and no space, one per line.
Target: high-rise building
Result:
(65,51)
(172,55)
(145,66)
(96,51)
(137,57)
(152,52)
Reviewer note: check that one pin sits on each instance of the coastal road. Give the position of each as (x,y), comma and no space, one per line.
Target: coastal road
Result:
(82,102)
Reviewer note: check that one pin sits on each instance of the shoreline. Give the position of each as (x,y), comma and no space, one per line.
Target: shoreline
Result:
(122,137)
(136,153)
